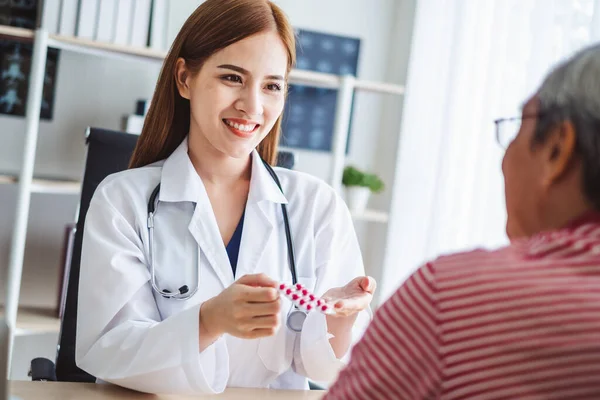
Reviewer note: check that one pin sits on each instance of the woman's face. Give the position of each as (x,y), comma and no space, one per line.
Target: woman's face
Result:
(237,95)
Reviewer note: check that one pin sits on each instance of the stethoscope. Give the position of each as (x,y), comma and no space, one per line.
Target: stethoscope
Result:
(295,317)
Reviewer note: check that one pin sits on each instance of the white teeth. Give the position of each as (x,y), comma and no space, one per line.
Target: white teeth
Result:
(241,127)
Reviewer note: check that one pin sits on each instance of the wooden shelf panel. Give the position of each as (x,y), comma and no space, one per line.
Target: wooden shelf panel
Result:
(35,321)
(15,33)
(101,48)
(80,45)
(55,186)
(371,216)
(43,185)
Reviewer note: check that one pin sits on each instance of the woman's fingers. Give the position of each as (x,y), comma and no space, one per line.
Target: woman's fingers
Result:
(352,305)
(262,309)
(266,322)
(368,284)
(251,294)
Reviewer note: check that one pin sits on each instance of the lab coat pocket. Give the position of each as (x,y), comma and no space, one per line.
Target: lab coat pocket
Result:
(277,352)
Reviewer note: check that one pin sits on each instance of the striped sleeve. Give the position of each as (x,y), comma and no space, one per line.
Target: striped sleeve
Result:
(399,355)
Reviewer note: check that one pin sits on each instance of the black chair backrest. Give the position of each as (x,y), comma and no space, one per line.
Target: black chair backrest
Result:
(108,152)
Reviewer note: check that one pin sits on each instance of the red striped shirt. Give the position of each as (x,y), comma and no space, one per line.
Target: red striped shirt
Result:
(522,322)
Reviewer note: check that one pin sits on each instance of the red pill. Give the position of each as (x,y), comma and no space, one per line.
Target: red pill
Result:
(281,287)
(288,292)
(311,297)
(295,297)
(324,308)
(302,302)
(309,307)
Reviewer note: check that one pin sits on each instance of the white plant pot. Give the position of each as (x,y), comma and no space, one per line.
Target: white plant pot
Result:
(357,198)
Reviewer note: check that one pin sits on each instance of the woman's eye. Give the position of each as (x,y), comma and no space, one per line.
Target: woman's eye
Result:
(274,87)
(232,78)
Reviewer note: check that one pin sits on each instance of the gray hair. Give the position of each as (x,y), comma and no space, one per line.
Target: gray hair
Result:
(571,91)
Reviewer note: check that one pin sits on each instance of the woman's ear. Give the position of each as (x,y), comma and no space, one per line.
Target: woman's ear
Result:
(559,151)
(182,76)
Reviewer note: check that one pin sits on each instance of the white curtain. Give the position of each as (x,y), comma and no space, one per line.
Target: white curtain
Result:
(471,62)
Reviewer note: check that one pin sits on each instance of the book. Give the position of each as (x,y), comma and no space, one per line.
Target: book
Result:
(68,17)
(123,19)
(140,23)
(50,15)
(87,19)
(158,25)
(106,20)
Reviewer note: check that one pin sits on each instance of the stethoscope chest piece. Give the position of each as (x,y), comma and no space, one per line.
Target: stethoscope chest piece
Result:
(295,319)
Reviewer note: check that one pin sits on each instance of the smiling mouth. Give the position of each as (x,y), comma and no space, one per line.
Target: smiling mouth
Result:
(243,130)
(241,127)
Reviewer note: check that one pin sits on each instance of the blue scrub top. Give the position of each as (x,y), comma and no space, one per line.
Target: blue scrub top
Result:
(233,247)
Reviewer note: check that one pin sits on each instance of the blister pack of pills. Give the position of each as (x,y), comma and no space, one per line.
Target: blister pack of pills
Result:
(304,299)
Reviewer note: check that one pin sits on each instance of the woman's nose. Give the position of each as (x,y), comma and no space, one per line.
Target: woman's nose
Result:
(250,102)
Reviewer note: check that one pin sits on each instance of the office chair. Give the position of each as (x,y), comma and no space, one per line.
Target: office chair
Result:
(107,152)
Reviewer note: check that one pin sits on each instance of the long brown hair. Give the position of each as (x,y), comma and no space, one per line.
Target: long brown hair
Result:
(213,26)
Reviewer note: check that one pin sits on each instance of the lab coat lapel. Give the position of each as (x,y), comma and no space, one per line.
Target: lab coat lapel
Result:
(256,235)
(263,212)
(205,231)
(180,182)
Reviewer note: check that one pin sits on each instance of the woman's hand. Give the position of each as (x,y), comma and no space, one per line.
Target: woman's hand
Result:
(248,309)
(347,301)
(352,298)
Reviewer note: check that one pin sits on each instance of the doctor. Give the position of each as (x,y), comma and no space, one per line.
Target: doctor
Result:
(185,301)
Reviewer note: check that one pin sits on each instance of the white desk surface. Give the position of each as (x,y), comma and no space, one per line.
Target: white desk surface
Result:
(26,390)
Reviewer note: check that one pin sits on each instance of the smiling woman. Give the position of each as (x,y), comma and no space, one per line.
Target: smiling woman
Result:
(182,253)
(237,91)
(168,120)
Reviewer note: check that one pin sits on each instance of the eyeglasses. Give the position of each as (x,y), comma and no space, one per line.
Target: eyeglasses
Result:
(508,128)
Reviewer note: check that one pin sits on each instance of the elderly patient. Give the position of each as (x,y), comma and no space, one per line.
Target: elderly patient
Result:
(519,322)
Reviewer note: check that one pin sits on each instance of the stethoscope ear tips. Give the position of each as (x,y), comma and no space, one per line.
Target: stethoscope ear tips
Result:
(184,289)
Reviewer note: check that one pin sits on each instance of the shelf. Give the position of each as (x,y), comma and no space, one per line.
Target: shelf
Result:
(7,180)
(80,45)
(319,79)
(370,216)
(55,186)
(36,321)
(39,185)
(15,33)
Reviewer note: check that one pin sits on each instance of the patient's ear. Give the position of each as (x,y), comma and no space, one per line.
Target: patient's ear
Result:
(182,77)
(558,152)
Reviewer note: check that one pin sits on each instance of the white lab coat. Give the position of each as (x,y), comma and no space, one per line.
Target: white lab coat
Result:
(130,336)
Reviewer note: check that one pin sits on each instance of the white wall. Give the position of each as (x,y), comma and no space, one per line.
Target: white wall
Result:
(372,23)
(384,27)
(98,91)
(386,152)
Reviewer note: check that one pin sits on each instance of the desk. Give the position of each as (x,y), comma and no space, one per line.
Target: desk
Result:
(27,390)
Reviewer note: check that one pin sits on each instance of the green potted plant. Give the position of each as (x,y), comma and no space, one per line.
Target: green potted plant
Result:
(359,186)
